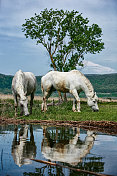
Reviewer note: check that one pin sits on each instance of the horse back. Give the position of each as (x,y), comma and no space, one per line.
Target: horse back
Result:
(30,82)
(55,80)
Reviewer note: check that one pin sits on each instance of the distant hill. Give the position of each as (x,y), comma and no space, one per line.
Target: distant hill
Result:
(105,85)
(5,83)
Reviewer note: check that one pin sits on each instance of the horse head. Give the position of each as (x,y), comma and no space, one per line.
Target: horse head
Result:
(24,105)
(92,102)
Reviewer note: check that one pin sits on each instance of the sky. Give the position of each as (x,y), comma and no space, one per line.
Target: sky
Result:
(17,52)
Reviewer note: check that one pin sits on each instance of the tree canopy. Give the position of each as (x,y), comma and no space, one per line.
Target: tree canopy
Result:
(66,36)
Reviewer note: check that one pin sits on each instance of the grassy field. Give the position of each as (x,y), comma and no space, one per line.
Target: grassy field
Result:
(107,111)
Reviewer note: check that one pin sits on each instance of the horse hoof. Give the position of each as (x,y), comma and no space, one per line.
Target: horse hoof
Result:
(26,115)
(74,111)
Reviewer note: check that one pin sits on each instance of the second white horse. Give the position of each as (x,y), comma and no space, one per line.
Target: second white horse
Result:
(73,82)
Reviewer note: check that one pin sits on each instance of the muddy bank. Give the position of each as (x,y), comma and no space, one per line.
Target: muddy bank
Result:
(102,126)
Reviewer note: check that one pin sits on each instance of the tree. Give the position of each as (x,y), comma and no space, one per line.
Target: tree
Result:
(65,35)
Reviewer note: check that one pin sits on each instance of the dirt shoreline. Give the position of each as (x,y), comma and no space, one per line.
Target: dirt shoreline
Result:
(101,126)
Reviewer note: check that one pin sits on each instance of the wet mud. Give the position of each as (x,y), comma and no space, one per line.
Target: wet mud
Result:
(102,126)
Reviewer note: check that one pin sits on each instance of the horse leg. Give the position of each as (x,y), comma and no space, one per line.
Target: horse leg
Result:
(78,105)
(22,111)
(60,96)
(73,108)
(44,103)
(75,94)
(31,102)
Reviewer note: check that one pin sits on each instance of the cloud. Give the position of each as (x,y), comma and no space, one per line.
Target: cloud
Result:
(105,138)
(93,68)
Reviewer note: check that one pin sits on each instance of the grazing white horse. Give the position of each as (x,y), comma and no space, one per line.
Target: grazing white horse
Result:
(73,82)
(23,84)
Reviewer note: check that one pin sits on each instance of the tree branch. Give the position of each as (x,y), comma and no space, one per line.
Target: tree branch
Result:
(56,42)
(71,168)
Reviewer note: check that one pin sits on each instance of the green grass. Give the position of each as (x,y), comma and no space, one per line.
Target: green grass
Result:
(107,111)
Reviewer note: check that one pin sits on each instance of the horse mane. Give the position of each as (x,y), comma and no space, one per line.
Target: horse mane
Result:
(86,80)
(19,77)
(19,81)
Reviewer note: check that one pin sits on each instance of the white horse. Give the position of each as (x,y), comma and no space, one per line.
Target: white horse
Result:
(73,82)
(23,84)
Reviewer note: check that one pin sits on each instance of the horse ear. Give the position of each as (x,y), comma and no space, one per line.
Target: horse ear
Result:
(93,95)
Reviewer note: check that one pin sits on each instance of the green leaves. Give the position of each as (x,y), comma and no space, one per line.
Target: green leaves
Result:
(65,35)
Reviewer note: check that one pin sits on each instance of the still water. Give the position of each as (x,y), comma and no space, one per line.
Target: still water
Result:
(72,147)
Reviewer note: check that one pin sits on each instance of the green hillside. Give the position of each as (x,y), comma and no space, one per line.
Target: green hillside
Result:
(104,85)
(5,83)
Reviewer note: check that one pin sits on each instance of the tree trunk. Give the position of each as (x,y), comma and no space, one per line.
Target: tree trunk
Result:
(65,97)
(54,66)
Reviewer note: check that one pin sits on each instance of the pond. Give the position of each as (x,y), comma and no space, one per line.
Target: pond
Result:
(70,148)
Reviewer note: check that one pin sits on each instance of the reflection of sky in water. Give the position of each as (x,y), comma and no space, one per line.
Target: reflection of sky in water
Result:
(105,147)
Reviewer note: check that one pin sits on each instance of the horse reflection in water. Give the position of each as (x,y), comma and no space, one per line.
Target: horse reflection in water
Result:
(71,152)
(23,149)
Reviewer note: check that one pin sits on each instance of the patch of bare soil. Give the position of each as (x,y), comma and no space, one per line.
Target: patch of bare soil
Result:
(101,126)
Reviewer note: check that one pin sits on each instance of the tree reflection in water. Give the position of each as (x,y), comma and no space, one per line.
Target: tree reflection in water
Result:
(23,149)
(64,145)
(66,150)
